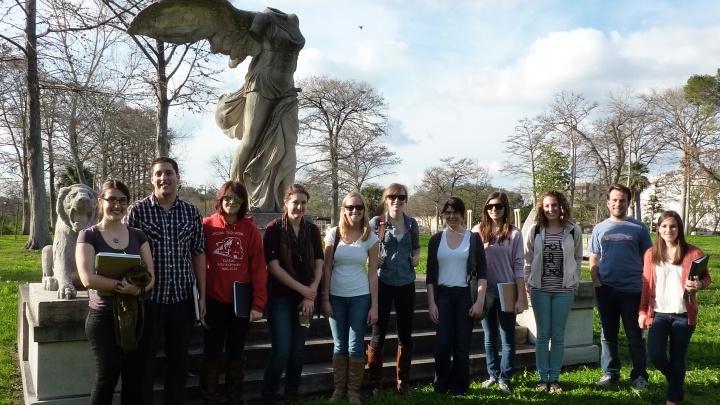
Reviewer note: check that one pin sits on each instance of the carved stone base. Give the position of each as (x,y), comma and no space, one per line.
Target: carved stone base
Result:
(56,363)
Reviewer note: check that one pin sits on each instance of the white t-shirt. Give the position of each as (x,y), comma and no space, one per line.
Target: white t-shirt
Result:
(452,263)
(349,277)
(669,289)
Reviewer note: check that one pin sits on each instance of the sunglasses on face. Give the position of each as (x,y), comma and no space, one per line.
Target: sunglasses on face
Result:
(354,207)
(399,197)
(497,207)
(116,201)
(232,198)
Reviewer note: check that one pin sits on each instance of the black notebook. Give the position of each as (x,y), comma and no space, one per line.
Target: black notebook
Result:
(242,299)
(699,267)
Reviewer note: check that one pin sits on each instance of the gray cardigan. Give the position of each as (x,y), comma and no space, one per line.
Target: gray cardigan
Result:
(572,256)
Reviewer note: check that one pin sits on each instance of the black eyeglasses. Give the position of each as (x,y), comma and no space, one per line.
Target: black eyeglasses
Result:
(116,201)
(354,207)
(399,197)
(232,198)
(497,207)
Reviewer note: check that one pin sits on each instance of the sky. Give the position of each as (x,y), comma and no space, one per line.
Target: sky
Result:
(457,75)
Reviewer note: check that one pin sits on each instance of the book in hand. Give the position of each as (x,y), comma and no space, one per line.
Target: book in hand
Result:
(507,292)
(242,299)
(698,268)
(115,265)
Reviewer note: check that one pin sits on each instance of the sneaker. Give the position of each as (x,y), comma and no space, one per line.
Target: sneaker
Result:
(607,381)
(542,386)
(504,387)
(489,382)
(640,384)
(555,388)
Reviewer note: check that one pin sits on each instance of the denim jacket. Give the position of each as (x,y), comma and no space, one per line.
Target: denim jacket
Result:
(397,269)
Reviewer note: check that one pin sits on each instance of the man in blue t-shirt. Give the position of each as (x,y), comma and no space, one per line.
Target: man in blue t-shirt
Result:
(617,246)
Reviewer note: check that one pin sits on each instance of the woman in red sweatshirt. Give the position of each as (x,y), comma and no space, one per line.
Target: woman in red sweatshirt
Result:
(234,253)
(668,304)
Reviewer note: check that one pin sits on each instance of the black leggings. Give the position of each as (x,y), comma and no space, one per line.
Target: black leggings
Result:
(225,331)
(111,363)
(404,298)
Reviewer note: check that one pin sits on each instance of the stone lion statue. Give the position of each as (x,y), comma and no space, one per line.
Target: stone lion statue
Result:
(77,209)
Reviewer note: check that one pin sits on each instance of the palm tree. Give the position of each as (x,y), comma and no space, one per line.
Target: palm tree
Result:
(637,182)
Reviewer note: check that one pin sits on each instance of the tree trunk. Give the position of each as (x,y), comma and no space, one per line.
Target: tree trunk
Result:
(162,147)
(73,135)
(335,184)
(39,231)
(51,175)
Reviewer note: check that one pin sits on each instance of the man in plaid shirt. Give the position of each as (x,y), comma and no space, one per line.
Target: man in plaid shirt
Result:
(174,230)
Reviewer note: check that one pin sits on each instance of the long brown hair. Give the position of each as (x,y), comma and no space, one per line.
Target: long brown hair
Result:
(565,210)
(302,244)
(345,225)
(486,226)
(659,249)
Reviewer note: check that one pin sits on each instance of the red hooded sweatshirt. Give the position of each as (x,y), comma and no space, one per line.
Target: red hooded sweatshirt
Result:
(234,253)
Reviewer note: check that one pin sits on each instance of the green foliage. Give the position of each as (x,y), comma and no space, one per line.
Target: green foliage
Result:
(372,194)
(69,177)
(552,171)
(703,90)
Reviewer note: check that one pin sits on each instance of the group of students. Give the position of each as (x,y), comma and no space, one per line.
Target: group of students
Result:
(364,268)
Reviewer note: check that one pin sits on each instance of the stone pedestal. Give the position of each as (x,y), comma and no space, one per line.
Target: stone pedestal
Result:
(579,347)
(56,362)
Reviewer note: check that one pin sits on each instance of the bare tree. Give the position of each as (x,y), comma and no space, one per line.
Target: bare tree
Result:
(691,130)
(221,164)
(440,182)
(523,147)
(567,120)
(181,75)
(332,111)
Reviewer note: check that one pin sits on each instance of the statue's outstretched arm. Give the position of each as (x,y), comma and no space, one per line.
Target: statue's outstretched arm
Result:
(188,21)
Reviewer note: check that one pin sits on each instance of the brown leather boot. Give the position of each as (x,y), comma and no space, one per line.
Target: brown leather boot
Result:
(340,377)
(209,381)
(404,359)
(375,365)
(356,372)
(234,382)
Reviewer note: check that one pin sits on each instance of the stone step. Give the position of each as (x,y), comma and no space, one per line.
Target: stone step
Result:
(319,350)
(317,377)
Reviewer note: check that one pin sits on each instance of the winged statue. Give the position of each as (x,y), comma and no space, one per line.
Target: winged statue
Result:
(263,113)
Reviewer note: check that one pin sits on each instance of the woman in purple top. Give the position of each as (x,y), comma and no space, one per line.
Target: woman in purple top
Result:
(111,235)
(505,260)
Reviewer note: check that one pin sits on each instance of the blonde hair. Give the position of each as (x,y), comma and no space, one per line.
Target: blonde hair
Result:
(345,225)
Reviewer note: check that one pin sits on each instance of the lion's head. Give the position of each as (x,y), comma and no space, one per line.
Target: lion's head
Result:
(77,207)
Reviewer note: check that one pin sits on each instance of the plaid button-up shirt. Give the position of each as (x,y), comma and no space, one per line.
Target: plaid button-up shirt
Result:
(175,237)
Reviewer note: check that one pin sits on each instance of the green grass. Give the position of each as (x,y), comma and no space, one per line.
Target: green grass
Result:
(16,267)
(702,384)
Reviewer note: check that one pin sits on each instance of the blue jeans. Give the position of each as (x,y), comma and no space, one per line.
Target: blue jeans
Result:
(453,334)
(503,322)
(348,324)
(614,305)
(673,328)
(288,344)
(551,311)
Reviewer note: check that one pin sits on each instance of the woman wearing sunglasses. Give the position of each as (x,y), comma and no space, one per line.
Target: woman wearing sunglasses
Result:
(505,264)
(399,254)
(349,294)
(295,260)
(234,253)
(553,254)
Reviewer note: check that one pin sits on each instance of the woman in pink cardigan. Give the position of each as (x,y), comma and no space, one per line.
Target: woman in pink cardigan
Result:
(668,305)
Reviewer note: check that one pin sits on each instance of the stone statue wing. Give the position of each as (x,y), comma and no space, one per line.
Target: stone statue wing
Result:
(187,21)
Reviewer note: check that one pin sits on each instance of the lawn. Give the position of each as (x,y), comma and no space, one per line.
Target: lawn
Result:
(703,378)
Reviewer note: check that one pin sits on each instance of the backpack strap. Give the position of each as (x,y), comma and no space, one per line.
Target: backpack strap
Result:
(382,225)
